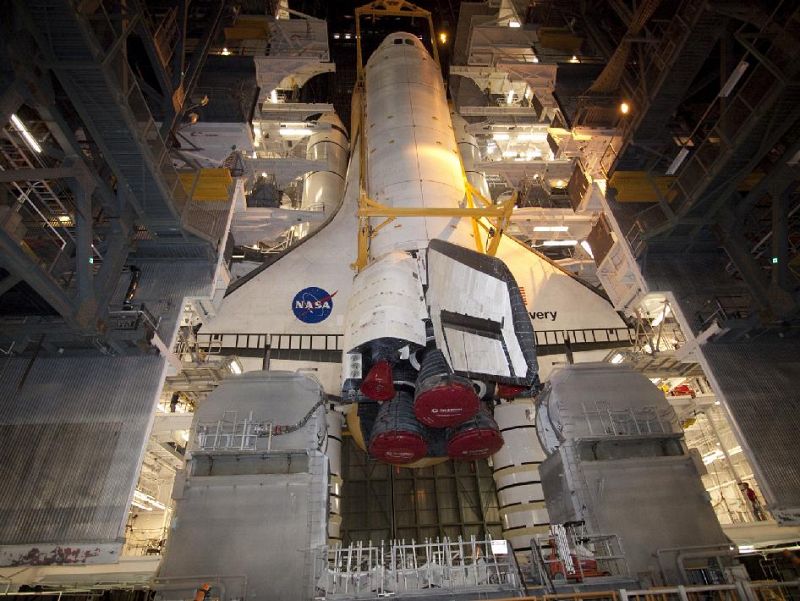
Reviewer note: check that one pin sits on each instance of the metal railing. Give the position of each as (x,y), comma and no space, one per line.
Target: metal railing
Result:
(596,336)
(725,307)
(232,433)
(212,343)
(741,591)
(133,318)
(218,343)
(602,420)
(398,567)
(569,554)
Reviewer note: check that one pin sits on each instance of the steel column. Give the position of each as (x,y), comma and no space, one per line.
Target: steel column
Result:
(8,282)
(780,239)
(20,264)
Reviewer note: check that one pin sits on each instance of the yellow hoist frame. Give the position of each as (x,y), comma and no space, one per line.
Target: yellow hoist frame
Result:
(480,210)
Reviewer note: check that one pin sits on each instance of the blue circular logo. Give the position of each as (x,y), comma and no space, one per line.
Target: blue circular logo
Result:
(312,305)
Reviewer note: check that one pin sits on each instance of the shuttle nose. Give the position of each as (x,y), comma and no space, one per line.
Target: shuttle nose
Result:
(402,39)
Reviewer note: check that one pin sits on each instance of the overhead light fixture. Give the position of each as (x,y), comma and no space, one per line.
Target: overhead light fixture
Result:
(551,228)
(25,133)
(617,358)
(585,246)
(510,97)
(678,161)
(443,37)
(747,549)
(514,23)
(273,96)
(141,506)
(263,174)
(347,36)
(624,108)
(733,79)
(559,184)
(145,498)
(560,243)
(294,132)
(574,59)
(336,36)
(226,52)
(501,136)
(536,136)
(65,219)
(660,317)
(711,457)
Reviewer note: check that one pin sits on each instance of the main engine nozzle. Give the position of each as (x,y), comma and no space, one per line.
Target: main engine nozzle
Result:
(397,437)
(477,438)
(442,398)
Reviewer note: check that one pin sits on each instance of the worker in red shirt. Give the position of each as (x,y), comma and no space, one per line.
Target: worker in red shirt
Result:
(758,510)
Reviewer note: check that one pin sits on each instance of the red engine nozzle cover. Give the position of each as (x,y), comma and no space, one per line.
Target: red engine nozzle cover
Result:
(398,447)
(447,401)
(378,384)
(509,391)
(474,444)
(396,436)
(477,438)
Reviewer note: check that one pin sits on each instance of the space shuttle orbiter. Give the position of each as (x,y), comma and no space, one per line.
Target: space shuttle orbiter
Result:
(432,326)
(432,329)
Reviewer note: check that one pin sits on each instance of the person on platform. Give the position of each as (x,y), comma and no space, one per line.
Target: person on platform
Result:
(755,503)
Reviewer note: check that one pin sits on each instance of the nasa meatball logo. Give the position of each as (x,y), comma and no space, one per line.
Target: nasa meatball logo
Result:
(312,305)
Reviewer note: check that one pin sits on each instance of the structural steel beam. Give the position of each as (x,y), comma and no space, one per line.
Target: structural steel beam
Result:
(20,264)
(774,301)
(8,282)
(38,175)
(10,101)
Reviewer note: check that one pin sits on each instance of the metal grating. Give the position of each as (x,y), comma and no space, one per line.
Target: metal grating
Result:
(759,382)
(72,433)
(51,510)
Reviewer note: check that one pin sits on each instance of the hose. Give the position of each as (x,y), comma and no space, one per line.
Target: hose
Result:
(278,430)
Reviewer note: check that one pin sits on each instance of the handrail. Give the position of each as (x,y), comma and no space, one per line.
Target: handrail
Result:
(333,341)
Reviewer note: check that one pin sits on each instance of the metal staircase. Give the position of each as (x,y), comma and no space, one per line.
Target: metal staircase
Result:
(87,51)
(39,192)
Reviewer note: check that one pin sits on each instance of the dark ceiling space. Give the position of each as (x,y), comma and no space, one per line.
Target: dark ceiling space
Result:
(338,87)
